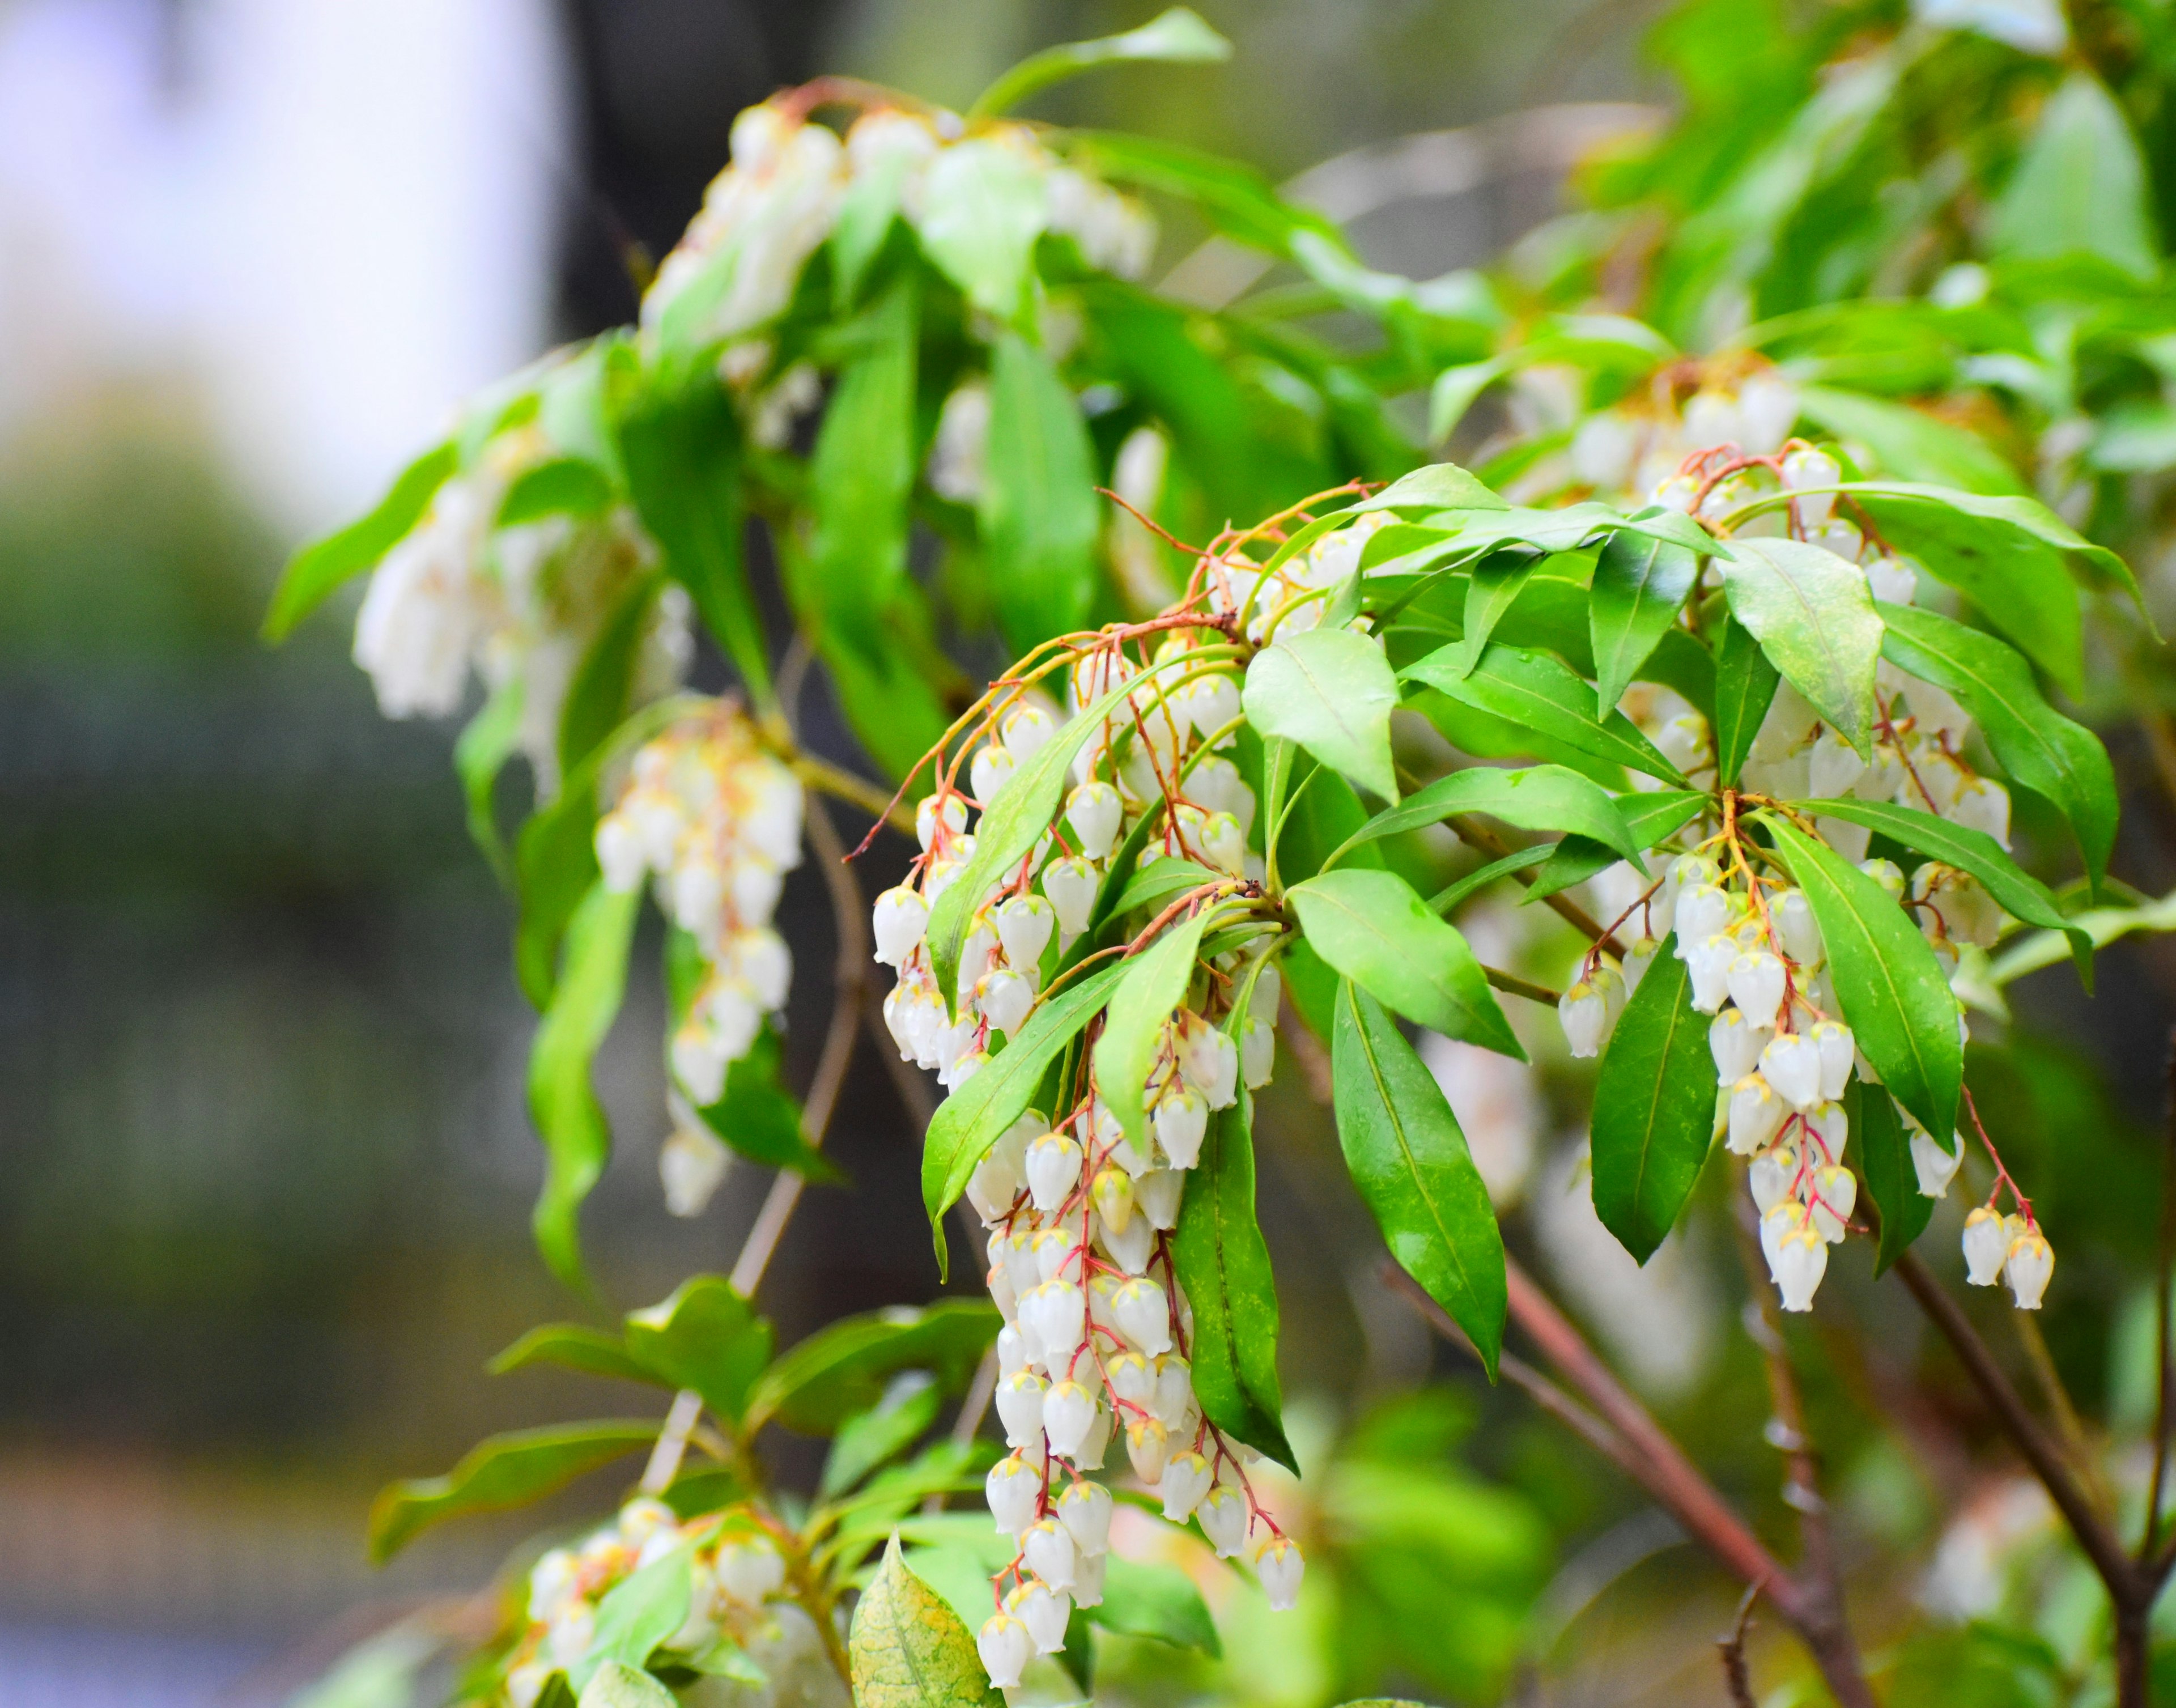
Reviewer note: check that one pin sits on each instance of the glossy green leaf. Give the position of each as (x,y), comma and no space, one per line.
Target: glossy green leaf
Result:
(573,1347)
(1650,817)
(617,1685)
(1406,1154)
(2081,187)
(506,1471)
(560,486)
(1744,688)
(982,208)
(1638,585)
(1887,981)
(867,1439)
(1175,37)
(1445,900)
(867,213)
(1654,1110)
(637,1614)
(1224,1268)
(1237,199)
(861,474)
(1492,588)
(1331,691)
(704,1336)
(1907,444)
(1539,797)
(909,1649)
(315,572)
(1038,508)
(1885,1160)
(1539,693)
(569,1119)
(1435,487)
(1154,984)
(1157,1601)
(487,741)
(1372,928)
(761,1120)
(1456,390)
(1166,881)
(975,1116)
(2014,889)
(844,1368)
(1814,619)
(2036,746)
(597,699)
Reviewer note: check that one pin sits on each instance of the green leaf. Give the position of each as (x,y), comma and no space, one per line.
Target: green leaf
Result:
(1177,36)
(861,475)
(1894,997)
(1909,444)
(575,1347)
(1814,619)
(843,1369)
(315,572)
(1445,900)
(1540,798)
(1884,1159)
(1038,508)
(1157,1601)
(490,739)
(2081,187)
(1163,882)
(867,214)
(982,208)
(1406,1154)
(1435,487)
(2062,762)
(909,1649)
(569,1117)
(1154,984)
(1492,589)
(704,1336)
(559,486)
(1224,1269)
(506,1471)
(1639,584)
(1744,688)
(867,1439)
(617,1685)
(1542,693)
(637,1614)
(1331,691)
(1455,391)
(597,699)
(1373,929)
(1654,1110)
(1237,199)
(1650,817)
(2016,890)
(975,1116)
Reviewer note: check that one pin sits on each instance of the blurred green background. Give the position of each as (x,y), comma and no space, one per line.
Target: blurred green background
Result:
(267,1170)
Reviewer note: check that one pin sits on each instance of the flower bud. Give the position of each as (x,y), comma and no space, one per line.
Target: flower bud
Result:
(1052,1170)
(1756,1115)
(1156,1196)
(1838,1051)
(1223,844)
(620,853)
(1112,1195)
(1084,1510)
(1210,1062)
(1836,1192)
(1053,1250)
(1771,1175)
(1702,910)
(1174,1388)
(1044,1611)
(1012,1350)
(1258,1051)
(1020,1406)
(1686,742)
(1279,1565)
(1014,1491)
(1142,1315)
(1584,1012)
(1049,1548)
(1181,1121)
(1793,916)
(1886,874)
(988,771)
(1782,1219)
(1055,1314)
(1799,1261)
(1791,1062)
(1147,1444)
(1068,1412)
(1708,961)
(1185,1481)
(1208,703)
(1735,1044)
(750,1570)
(1006,1649)
(1004,998)
(1015,1250)
(1027,730)
(2030,1262)
(1833,767)
(1756,986)
(1070,883)
(691,1165)
(926,819)
(1223,1515)
(1025,923)
(1935,1166)
(1986,1247)
(1802,469)
(1095,814)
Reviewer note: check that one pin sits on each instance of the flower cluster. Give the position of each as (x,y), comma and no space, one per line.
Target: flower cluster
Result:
(521,604)
(714,821)
(735,1574)
(788,184)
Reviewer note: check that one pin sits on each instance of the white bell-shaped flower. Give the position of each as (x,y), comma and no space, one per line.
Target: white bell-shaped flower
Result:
(1070,883)
(1803,468)
(1258,1052)
(1052,1168)
(1027,730)
(1181,1119)
(1130,1247)
(926,819)
(1084,1510)
(1888,874)
(1778,1220)
(1983,804)
(1839,1051)
(1756,1115)
(1012,1350)
(1112,1193)
(1934,1166)
(1223,844)
(1209,702)
(1088,1579)
(1095,814)
(691,1165)
(1836,1192)
(1174,1388)
(988,771)
(1801,1258)
(1024,924)
(1280,1566)
(900,920)
(1707,960)
(1892,581)
(1048,1548)
(620,855)
(1054,1251)
(1735,1044)
(1044,1611)
(1014,1248)
(1771,1175)
(1223,1517)
(1792,1064)
(1795,929)
(2031,1263)
(1014,1491)
(1830,1126)
(1584,1013)
(1004,998)
(750,1570)
(1156,1196)
(1209,1060)
(1020,1406)
(1090,1456)
(1184,1481)
(1702,910)
(1132,1380)
(1756,986)
(1833,766)
(1006,1648)
(1987,1244)
(1056,1314)
(1142,1313)
(1148,1444)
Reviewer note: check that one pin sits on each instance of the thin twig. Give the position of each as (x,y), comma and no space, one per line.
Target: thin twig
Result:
(1511,984)
(2165,1378)
(671,1442)
(1736,1676)
(2068,1426)
(1472,832)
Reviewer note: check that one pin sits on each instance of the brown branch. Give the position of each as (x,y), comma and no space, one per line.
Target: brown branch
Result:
(1736,1678)
(1471,831)
(2149,1543)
